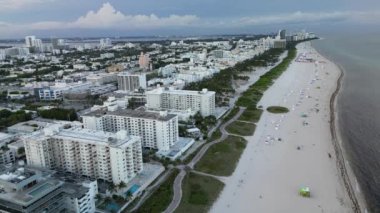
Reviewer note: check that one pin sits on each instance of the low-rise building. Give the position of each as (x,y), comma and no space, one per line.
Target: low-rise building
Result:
(25,189)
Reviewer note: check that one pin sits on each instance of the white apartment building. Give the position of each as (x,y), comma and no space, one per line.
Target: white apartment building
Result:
(113,157)
(131,82)
(168,99)
(158,130)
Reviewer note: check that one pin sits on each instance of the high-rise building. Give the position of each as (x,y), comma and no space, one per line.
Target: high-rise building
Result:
(131,82)
(113,157)
(33,42)
(105,42)
(158,130)
(30,190)
(281,34)
(168,98)
(57,43)
(144,61)
(29,41)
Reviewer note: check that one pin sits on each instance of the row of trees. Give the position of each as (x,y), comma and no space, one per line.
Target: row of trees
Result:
(221,82)
(8,118)
(59,114)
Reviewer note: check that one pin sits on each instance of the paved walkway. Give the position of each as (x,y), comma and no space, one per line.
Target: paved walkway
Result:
(177,186)
(220,178)
(149,191)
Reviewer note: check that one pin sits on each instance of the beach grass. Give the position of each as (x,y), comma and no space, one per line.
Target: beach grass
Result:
(161,198)
(221,158)
(241,128)
(251,115)
(277,109)
(199,193)
(254,93)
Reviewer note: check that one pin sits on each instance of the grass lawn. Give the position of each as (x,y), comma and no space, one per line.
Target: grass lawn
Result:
(199,193)
(222,158)
(161,198)
(277,109)
(241,128)
(251,115)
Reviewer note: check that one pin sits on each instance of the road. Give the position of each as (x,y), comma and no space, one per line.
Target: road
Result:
(177,186)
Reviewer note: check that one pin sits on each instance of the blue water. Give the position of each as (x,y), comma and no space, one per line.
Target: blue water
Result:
(112,207)
(133,189)
(359,106)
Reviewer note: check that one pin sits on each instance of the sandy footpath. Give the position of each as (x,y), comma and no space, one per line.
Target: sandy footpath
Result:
(293,150)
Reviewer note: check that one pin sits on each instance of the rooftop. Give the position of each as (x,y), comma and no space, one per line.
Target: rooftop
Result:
(15,175)
(162,90)
(31,193)
(86,135)
(138,113)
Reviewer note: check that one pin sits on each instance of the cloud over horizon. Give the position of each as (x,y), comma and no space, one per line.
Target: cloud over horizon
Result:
(19,4)
(109,18)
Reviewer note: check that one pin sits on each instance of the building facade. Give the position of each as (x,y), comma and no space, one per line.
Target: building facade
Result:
(113,157)
(131,82)
(158,130)
(7,156)
(168,98)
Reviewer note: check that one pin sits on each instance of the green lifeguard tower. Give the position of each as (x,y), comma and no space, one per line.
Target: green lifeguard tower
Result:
(304,192)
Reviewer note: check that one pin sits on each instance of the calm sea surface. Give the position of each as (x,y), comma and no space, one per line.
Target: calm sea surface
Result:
(359,106)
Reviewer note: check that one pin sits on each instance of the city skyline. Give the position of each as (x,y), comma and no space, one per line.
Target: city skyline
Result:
(46,18)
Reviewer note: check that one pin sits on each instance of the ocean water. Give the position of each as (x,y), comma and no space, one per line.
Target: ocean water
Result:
(359,106)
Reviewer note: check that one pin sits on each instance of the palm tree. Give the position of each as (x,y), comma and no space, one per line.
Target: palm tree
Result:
(112,187)
(122,185)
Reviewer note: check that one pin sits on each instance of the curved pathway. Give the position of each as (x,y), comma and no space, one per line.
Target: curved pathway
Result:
(177,186)
(149,191)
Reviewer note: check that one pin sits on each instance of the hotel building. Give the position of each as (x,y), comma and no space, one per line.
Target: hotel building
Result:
(131,82)
(168,99)
(113,157)
(158,130)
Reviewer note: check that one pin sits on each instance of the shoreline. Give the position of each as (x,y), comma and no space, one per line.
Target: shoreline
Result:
(337,145)
(347,175)
(268,172)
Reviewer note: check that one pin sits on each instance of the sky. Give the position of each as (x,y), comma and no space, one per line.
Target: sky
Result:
(78,18)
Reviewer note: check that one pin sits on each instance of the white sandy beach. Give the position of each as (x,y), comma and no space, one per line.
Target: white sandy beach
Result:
(291,151)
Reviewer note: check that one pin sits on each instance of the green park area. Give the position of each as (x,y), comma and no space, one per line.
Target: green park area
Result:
(161,198)
(199,193)
(222,158)
(251,115)
(241,128)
